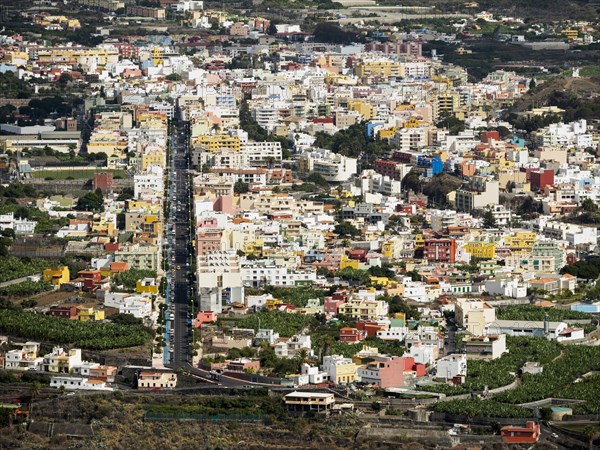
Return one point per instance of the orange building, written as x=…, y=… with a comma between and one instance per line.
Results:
x=529, y=434
x=440, y=250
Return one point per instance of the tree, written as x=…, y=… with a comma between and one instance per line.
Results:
x=503, y=132
x=412, y=181
x=489, y=221
x=65, y=78
x=346, y=229
x=240, y=187
x=588, y=205
x=36, y=388
x=317, y=179
x=272, y=30
x=126, y=194
x=330, y=32
x=356, y=276
x=92, y=201
x=173, y=77
x=592, y=434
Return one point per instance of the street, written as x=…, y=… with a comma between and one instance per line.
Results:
x=179, y=348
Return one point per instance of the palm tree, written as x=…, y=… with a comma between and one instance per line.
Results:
x=36, y=388
x=592, y=433
x=303, y=355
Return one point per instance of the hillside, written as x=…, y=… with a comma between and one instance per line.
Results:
x=541, y=95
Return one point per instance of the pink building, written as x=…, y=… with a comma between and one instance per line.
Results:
x=224, y=204
x=331, y=304
x=384, y=371
x=208, y=241
x=244, y=365
x=205, y=317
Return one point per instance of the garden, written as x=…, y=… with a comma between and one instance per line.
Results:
x=12, y=267
x=25, y=289
x=569, y=372
x=502, y=371
x=86, y=335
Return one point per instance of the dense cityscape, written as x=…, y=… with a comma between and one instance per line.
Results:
x=282, y=224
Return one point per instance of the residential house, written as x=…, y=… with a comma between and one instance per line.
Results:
x=451, y=366
x=352, y=335
x=484, y=347
x=73, y=383
x=340, y=370
x=157, y=379
x=304, y=402
x=25, y=359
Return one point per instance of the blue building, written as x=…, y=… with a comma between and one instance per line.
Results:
x=433, y=164
x=370, y=130
x=519, y=142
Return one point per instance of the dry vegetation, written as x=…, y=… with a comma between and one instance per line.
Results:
x=119, y=422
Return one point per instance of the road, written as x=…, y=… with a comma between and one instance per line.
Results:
x=179, y=258
x=179, y=261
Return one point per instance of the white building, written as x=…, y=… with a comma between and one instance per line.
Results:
x=218, y=273
x=506, y=287
x=150, y=184
x=260, y=274
x=25, y=359
x=78, y=383
x=332, y=166
x=485, y=347
x=315, y=376
x=532, y=328
x=266, y=335
x=393, y=334
x=423, y=353
x=451, y=366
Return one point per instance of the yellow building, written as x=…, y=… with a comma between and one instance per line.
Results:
x=387, y=249
x=73, y=24
x=16, y=57
x=386, y=133
x=363, y=309
x=382, y=281
x=89, y=314
x=103, y=142
x=137, y=205
x=378, y=68
x=366, y=110
x=152, y=225
x=340, y=370
x=337, y=79
x=447, y=102
x=419, y=240
x=218, y=142
x=271, y=304
x=520, y=241
x=254, y=247
x=104, y=227
x=570, y=34
x=481, y=249
x=57, y=276
x=147, y=285
x=346, y=262
x=97, y=57
x=153, y=158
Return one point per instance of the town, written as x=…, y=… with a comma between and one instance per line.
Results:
x=346, y=224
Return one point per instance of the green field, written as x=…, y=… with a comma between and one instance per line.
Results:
x=76, y=174
x=590, y=71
